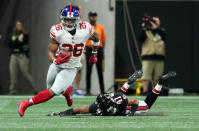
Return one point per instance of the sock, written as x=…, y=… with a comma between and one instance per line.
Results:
x=151, y=98
x=42, y=96
x=157, y=89
x=125, y=87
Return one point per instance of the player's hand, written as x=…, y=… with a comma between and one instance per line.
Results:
x=60, y=60
x=93, y=58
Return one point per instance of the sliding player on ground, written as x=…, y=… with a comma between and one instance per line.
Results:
x=117, y=104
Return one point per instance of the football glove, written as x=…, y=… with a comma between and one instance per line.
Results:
x=61, y=59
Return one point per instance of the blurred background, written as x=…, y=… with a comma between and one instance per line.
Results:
x=122, y=55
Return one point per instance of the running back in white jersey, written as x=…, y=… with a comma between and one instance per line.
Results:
x=74, y=43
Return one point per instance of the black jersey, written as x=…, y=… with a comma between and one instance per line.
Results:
x=109, y=104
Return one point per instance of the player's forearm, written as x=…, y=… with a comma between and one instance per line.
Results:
x=52, y=49
x=51, y=55
x=81, y=110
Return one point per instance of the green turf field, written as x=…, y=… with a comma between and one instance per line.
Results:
x=168, y=113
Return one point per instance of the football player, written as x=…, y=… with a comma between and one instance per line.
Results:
x=69, y=35
x=117, y=104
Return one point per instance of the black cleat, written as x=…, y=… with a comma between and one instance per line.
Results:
x=163, y=79
x=137, y=74
x=54, y=114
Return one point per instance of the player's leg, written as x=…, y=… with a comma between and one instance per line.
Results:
x=139, y=107
x=42, y=96
x=63, y=79
x=137, y=74
x=51, y=75
x=151, y=97
x=13, y=73
x=63, y=82
x=145, y=105
x=162, y=80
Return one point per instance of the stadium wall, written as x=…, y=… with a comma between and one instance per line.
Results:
x=180, y=19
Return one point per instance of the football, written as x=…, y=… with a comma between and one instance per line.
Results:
x=64, y=53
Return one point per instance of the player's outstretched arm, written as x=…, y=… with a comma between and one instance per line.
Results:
x=73, y=111
x=81, y=110
x=52, y=49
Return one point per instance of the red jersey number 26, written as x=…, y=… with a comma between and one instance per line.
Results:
x=77, y=48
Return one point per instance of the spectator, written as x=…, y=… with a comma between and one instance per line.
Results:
x=19, y=50
x=153, y=51
x=92, y=16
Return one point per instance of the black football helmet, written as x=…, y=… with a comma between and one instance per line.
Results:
x=107, y=104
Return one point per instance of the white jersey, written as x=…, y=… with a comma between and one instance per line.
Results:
x=73, y=43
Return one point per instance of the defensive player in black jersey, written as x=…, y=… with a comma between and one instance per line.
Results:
x=117, y=104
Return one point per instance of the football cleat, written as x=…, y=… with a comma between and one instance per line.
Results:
x=68, y=95
x=22, y=107
x=137, y=74
x=163, y=79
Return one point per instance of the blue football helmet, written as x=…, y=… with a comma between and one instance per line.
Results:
x=71, y=14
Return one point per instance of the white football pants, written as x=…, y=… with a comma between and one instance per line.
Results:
x=59, y=79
